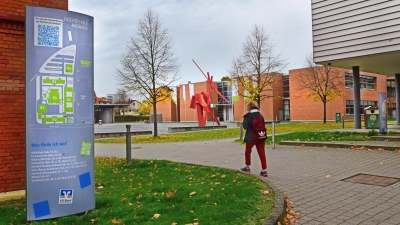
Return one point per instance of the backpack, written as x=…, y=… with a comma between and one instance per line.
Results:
x=258, y=128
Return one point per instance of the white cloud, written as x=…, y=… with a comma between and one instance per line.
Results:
x=210, y=32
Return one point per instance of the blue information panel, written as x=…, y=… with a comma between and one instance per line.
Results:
x=59, y=113
x=382, y=113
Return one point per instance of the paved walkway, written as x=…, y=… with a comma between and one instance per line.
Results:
x=310, y=176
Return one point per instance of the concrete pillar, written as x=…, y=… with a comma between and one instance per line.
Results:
x=357, y=99
x=397, y=85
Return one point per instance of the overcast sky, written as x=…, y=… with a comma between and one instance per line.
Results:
x=209, y=31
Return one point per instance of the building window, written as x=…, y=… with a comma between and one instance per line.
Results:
x=286, y=109
x=363, y=105
x=226, y=90
x=285, y=80
x=348, y=80
x=366, y=82
x=391, y=88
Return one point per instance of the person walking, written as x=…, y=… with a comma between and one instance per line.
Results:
x=254, y=137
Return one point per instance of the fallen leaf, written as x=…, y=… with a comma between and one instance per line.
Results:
x=173, y=223
x=138, y=205
x=155, y=216
x=382, y=163
x=328, y=176
x=223, y=176
x=139, y=196
x=130, y=204
x=123, y=199
x=192, y=193
x=136, y=217
x=302, y=145
x=266, y=192
x=155, y=194
x=115, y=221
x=170, y=194
x=324, y=146
x=100, y=187
x=94, y=220
x=208, y=195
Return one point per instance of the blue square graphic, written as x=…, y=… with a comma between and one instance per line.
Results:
x=84, y=180
x=41, y=209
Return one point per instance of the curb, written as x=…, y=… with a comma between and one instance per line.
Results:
x=336, y=145
x=279, y=210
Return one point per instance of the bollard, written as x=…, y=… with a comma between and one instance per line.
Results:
x=128, y=145
x=273, y=135
x=241, y=132
x=342, y=122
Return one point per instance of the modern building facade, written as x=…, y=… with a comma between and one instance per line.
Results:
x=358, y=35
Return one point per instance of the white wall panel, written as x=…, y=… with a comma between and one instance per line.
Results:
x=352, y=28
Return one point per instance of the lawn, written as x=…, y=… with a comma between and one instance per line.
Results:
x=225, y=133
x=163, y=192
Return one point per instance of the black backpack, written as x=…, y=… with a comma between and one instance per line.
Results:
x=258, y=128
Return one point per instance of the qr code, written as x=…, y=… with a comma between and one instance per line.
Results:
x=48, y=35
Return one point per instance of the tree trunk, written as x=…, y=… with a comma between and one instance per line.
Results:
x=324, y=111
x=155, y=118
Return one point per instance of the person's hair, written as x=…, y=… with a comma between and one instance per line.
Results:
x=252, y=105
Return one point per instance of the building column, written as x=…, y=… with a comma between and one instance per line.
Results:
x=357, y=99
x=397, y=86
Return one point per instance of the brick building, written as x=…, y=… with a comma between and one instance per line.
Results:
x=288, y=102
x=371, y=84
x=12, y=90
x=272, y=108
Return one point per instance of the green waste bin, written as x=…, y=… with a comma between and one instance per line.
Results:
x=338, y=118
x=371, y=117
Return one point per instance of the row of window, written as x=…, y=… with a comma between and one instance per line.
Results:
x=366, y=82
x=363, y=105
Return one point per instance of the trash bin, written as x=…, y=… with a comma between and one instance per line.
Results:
x=100, y=122
x=371, y=117
x=338, y=118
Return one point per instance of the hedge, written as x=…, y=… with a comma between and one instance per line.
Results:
x=129, y=118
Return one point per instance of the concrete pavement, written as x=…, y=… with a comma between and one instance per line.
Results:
x=310, y=176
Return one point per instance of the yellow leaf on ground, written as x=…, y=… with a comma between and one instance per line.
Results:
x=155, y=216
x=192, y=193
x=223, y=176
x=266, y=192
x=328, y=176
x=382, y=163
x=94, y=220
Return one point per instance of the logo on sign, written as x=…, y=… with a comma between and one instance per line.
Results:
x=66, y=196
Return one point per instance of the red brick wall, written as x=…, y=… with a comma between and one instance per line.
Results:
x=12, y=90
x=187, y=114
x=302, y=108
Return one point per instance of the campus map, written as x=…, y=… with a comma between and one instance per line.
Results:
x=55, y=88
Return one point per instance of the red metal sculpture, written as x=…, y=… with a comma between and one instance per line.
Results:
x=197, y=102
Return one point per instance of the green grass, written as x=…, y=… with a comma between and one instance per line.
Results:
x=224, y=133
x=179, y=193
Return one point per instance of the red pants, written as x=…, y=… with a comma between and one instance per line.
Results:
x=260, y=145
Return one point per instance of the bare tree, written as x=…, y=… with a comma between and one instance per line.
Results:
x=256, y=68
x=149, y=64
x=122, y=95
x=320, y=83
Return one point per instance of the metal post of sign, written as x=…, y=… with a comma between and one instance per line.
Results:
x=241, y=131
x=273, y=135
x=128, y=145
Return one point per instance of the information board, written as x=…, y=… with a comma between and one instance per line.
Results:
x=59, y=113
x=382, y=113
